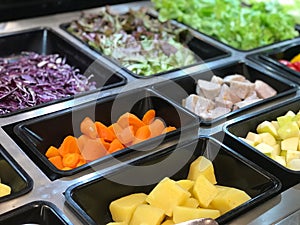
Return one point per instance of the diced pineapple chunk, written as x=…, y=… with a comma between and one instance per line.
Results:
x=204, y=191
x=166, y=195
x=182, y=214
x=147, y=215
x=123, y=208
x=202, y=166
x=117, y=223
x=228, y=198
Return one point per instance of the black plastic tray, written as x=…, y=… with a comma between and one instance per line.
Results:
x=247, y=123
x=37, y=135
x=44, y=40
x=230, y=168
x=204, y=51
x=179, y=88
x=14, y=176
x=37, y=212
x=270, y=58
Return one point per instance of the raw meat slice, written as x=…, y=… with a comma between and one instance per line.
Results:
x=264, y=90
x=208, y=89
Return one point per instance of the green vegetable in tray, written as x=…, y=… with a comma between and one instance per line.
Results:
x=139, y=42
x=240, y=25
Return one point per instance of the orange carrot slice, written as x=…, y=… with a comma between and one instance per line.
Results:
x=56, y=161
x=129, y=119
x=93, y=149
x=71, y=160
x=143, y=133
x=149, y=116
x=105, y=144
x=88, y=128
x=156, y=127
x=104, y=132
x=52, y=151
x=168, y=129
x=115, y=145
x=69, y=145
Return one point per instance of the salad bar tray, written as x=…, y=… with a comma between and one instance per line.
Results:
x=67, y=158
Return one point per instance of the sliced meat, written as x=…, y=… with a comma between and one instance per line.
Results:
x=242, y=89
x=220, y=102
x=252, y=95
x=215, y=113
x=264, y=90
x=234, y=77
x=227, y=94
x=217, y=80
x=190, y=102
x=244, y=103
x=203, y=105
x=208, y=89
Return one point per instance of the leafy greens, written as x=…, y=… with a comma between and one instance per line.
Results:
x=140, y=43
x=242, y=26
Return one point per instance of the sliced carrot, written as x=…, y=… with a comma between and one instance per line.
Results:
x=88, y=128
x=52, y=151
x=149, y=116
x=81, y=162
x=105, y=144
x=71, y=160
x=143, y=132
x=104, y=132
x=93, y=149
x=115, y=145
x=69, y=145
x=156, y=127
x=56, y=161
x=81, y=141
x=129, y=119
x=168, y=129
x=126, y=136
x=67, y=168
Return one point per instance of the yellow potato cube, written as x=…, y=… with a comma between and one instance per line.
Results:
x=228, y=198
x=204, y=191
x=123, y=208
x=182, y=214
x=191, y=202
x=186, y=184
x=168, y=222
x=202, y=166
x=166, y=195
x=147, y=215
x=117, y=223
x=4, y=190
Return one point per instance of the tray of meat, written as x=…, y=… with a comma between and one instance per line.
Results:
x=222, y=93
x=46, y=70
x=140, y=44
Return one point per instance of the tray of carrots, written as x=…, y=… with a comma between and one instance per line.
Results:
x=93, y=134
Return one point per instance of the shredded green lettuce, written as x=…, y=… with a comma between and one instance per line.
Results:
x=235, y=23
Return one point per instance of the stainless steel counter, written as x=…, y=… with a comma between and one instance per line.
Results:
x=44, y=189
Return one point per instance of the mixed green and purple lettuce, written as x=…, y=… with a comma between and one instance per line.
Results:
x=140, y=43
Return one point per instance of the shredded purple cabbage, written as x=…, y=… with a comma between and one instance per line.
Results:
x=32, y=79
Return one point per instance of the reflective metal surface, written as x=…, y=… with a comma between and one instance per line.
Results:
x=270, y=212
